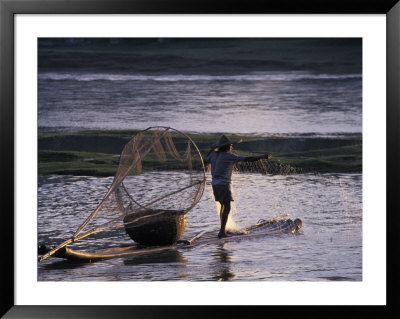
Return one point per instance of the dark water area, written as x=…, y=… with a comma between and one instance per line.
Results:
x=200, y=55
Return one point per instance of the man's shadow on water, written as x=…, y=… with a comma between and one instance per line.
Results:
x=223, y=261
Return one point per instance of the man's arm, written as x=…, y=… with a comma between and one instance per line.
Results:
x=256, y=158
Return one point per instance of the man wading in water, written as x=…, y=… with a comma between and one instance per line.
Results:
x=222, y=161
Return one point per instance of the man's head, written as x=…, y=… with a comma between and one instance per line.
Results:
x=225, y=144
x=225, y=148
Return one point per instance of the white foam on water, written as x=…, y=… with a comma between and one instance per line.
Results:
x=254, y=76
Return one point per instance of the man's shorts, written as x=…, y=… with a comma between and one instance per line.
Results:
x=223, y=193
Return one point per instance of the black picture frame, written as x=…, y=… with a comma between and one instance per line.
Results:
x=8, y=10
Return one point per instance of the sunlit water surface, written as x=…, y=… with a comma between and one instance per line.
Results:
x=284, y=102
x=327, y=248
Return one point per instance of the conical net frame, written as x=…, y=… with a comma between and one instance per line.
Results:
x=153, y=151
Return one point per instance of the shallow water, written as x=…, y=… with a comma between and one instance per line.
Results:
x=327, y=248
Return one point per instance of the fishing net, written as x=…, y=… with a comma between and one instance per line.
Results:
x=155, y=198
x=264, y=166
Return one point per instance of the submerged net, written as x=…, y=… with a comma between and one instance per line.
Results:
x=155, y=196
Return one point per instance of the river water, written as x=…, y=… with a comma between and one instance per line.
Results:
x=286, y=103
x=327, y=248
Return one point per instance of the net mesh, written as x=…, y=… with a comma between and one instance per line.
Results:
x=150, y=152
x=264, y=166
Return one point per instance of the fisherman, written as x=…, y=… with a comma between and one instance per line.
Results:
x=222, y=160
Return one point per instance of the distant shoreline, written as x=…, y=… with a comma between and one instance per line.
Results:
x=96, y=153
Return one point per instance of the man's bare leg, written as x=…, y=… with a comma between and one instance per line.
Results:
x=225, y=210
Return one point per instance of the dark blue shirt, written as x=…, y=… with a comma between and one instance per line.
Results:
x=222, y=166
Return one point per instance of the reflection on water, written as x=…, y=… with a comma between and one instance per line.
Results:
x=63, y=264
x=169, y=257
x=328, y=247
x=223, y=260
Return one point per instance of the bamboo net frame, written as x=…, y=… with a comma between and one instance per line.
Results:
x=161, y=148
